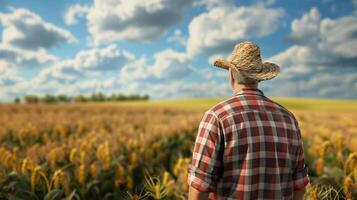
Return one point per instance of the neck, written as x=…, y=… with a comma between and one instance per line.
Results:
x=238, y=87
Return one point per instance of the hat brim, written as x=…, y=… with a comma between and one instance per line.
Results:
x=224, y=64
x=269, y=70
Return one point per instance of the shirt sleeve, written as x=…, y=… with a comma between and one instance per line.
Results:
x=205, y=168
x=300, y=175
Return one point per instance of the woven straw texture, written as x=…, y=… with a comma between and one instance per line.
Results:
x=246, y=59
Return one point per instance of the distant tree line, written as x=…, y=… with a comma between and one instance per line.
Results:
x=94, y=97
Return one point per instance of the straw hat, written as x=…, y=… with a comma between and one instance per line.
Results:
x=246, y=59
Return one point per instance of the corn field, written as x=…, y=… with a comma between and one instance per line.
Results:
x=103, y=151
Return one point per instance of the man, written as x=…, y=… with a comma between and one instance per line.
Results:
x=248, y=147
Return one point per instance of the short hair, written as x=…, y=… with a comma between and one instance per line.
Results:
x=241, y=79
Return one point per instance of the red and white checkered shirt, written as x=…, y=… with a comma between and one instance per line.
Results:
x=248, y=147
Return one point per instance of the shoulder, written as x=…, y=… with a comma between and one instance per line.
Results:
x=221, y=109
x=283, y=109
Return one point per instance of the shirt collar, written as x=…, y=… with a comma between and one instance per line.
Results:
x=249, y=91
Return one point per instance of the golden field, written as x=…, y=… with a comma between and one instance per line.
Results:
x=141, y=150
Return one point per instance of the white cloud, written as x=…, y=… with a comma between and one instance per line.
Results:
x=61, y=72
x=9, y=75
x=137, y=75
x=296, y=71
x=214, y=3
x=168, y=64
x=20, y=57
x=316, y=41
x=85, y=63
x=336, y=39
x=265, y=2
x=77, y=75
x=229, y=25
x=140, y=20
x=332, y=85
x=339, y=36
x=25, y=29
x=322, y=60
x=184, y=89
x=136, y=70
x=306, y=29
x=108, y=58
x=89, y=86
x=167, y=77
x=12, y=84
x=178, y=38
x=26, y=38
x=74, y=12
x=286, y=58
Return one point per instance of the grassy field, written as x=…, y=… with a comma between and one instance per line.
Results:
x=335, y=105
x=116, y=150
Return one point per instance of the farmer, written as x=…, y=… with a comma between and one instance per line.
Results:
x=248, y=146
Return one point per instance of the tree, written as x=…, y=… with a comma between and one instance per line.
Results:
x=94, y=97
x=145, y=97
x=121, y=97
x=63, y=98
x=97, y=97
x=48, y=99
x=80, y=98
x=17, y=100
x=31, y=98
x=112, y=97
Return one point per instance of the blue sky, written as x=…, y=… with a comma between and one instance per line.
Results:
x=166, y=48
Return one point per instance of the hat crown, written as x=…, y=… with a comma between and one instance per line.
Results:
x=246, y=54
x=246, y=59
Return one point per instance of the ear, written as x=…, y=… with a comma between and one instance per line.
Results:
x=231, y=75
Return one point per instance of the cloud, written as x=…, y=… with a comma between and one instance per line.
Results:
x=168, y=75
x=25, y=29
x=168, y=65
x=214, y=3
x=326, y=42
x=172, y=89
x=61, y=72
x=141, y=20
x=21, y=57
x=229, y=25
x=96, y=85
x=322, y=59
x=354, y=2
x=184, y=89
x=74, y=12
x=109, y=58
x=178, y=38
x=324, y=82
x=9, y=75
x=165, y=77
x=85, y=87
x=12, y=84
x=331, y=84
x=72, y=76
x=86, y=63
x=265, y=2
x=306, y=29
x=137, y=70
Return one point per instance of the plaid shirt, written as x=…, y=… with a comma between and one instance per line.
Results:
x=248, y=147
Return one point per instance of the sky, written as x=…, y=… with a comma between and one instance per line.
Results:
x=166, y=48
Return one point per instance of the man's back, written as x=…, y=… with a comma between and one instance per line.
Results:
x=248, y=147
